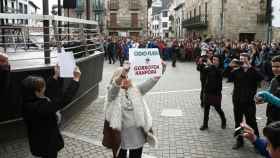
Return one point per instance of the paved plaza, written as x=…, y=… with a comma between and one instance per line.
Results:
x=177, y=116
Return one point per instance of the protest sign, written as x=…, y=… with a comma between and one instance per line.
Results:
x=66, y=63
x=145, y=62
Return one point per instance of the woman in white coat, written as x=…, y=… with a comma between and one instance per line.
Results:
x=128, y=122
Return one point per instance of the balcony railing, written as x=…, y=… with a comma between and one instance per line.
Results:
x=114, y=4
x=261, y=19
x=125, y=23
x=200, y=21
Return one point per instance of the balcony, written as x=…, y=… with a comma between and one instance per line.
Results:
x=114, y=5
x=200, y=21
x=125, y=24
x=261, y=19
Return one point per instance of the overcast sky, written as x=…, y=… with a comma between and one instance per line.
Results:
x=40, y=5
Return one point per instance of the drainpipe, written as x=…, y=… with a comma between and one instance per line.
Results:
x=222, y=19
x=269, y=22
x=46, y=26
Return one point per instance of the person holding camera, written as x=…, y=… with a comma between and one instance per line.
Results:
x=245, y=79
x=269, y=147
x=128, y=122
x=206, y=55
x=39, y=111
x=213, y=90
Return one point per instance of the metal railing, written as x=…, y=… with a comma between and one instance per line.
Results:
x=196, y=21
x=26, y=45
x=125, y=23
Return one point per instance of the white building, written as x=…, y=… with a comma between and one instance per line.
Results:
x=160, y=21
x=20, y=7
x=177, y=11
x=178, y=18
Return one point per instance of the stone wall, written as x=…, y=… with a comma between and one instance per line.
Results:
x=125, y=12
x=276, y=34
x=239, y=17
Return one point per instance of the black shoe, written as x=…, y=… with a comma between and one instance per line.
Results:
x=203, y=127
x=237, y=145
x=224, y=125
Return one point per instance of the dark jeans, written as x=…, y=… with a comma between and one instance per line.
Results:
x=249, y=111
x=217, y=108
x=135, y=153
x=111, y=58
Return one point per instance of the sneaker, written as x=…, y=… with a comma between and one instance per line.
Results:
x=202, y=128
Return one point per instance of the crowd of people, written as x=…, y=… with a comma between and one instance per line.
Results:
x=128, y=122
x=117, y=48
x=246, y=65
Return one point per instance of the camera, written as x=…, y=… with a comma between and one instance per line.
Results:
x=237, y=62
x=238, y=131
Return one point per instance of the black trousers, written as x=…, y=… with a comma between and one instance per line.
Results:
x=217, y=107
x=135, y=153
x=249, y=111
x=51, y=155
x=111, y=58
x=121, y=60
x=202, y=93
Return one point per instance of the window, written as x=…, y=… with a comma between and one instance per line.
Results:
x=25, y=9
x=113, y=19
x=134, y=5
x=20, y=8
x=134, y=20
x=165, y=14
x=114, y=4
x=199, y=11
x=194, y=12
x=164, y=24
x=13, y=7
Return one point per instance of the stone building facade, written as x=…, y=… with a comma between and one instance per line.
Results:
x=233, y=19
x=126, y=17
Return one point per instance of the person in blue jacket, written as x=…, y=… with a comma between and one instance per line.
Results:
x=269, y=147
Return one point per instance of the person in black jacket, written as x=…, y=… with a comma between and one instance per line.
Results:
x=273, y=112
x=202, y=61
x=4, y=78
x=39, y=112
x=245, y=79
x=213, y=90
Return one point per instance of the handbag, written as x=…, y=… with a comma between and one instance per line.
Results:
x=111, y=137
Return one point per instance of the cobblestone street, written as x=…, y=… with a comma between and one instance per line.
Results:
x=179, y=136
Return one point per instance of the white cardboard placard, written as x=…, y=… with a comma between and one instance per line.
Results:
x=145, y=62
x=66, y=63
